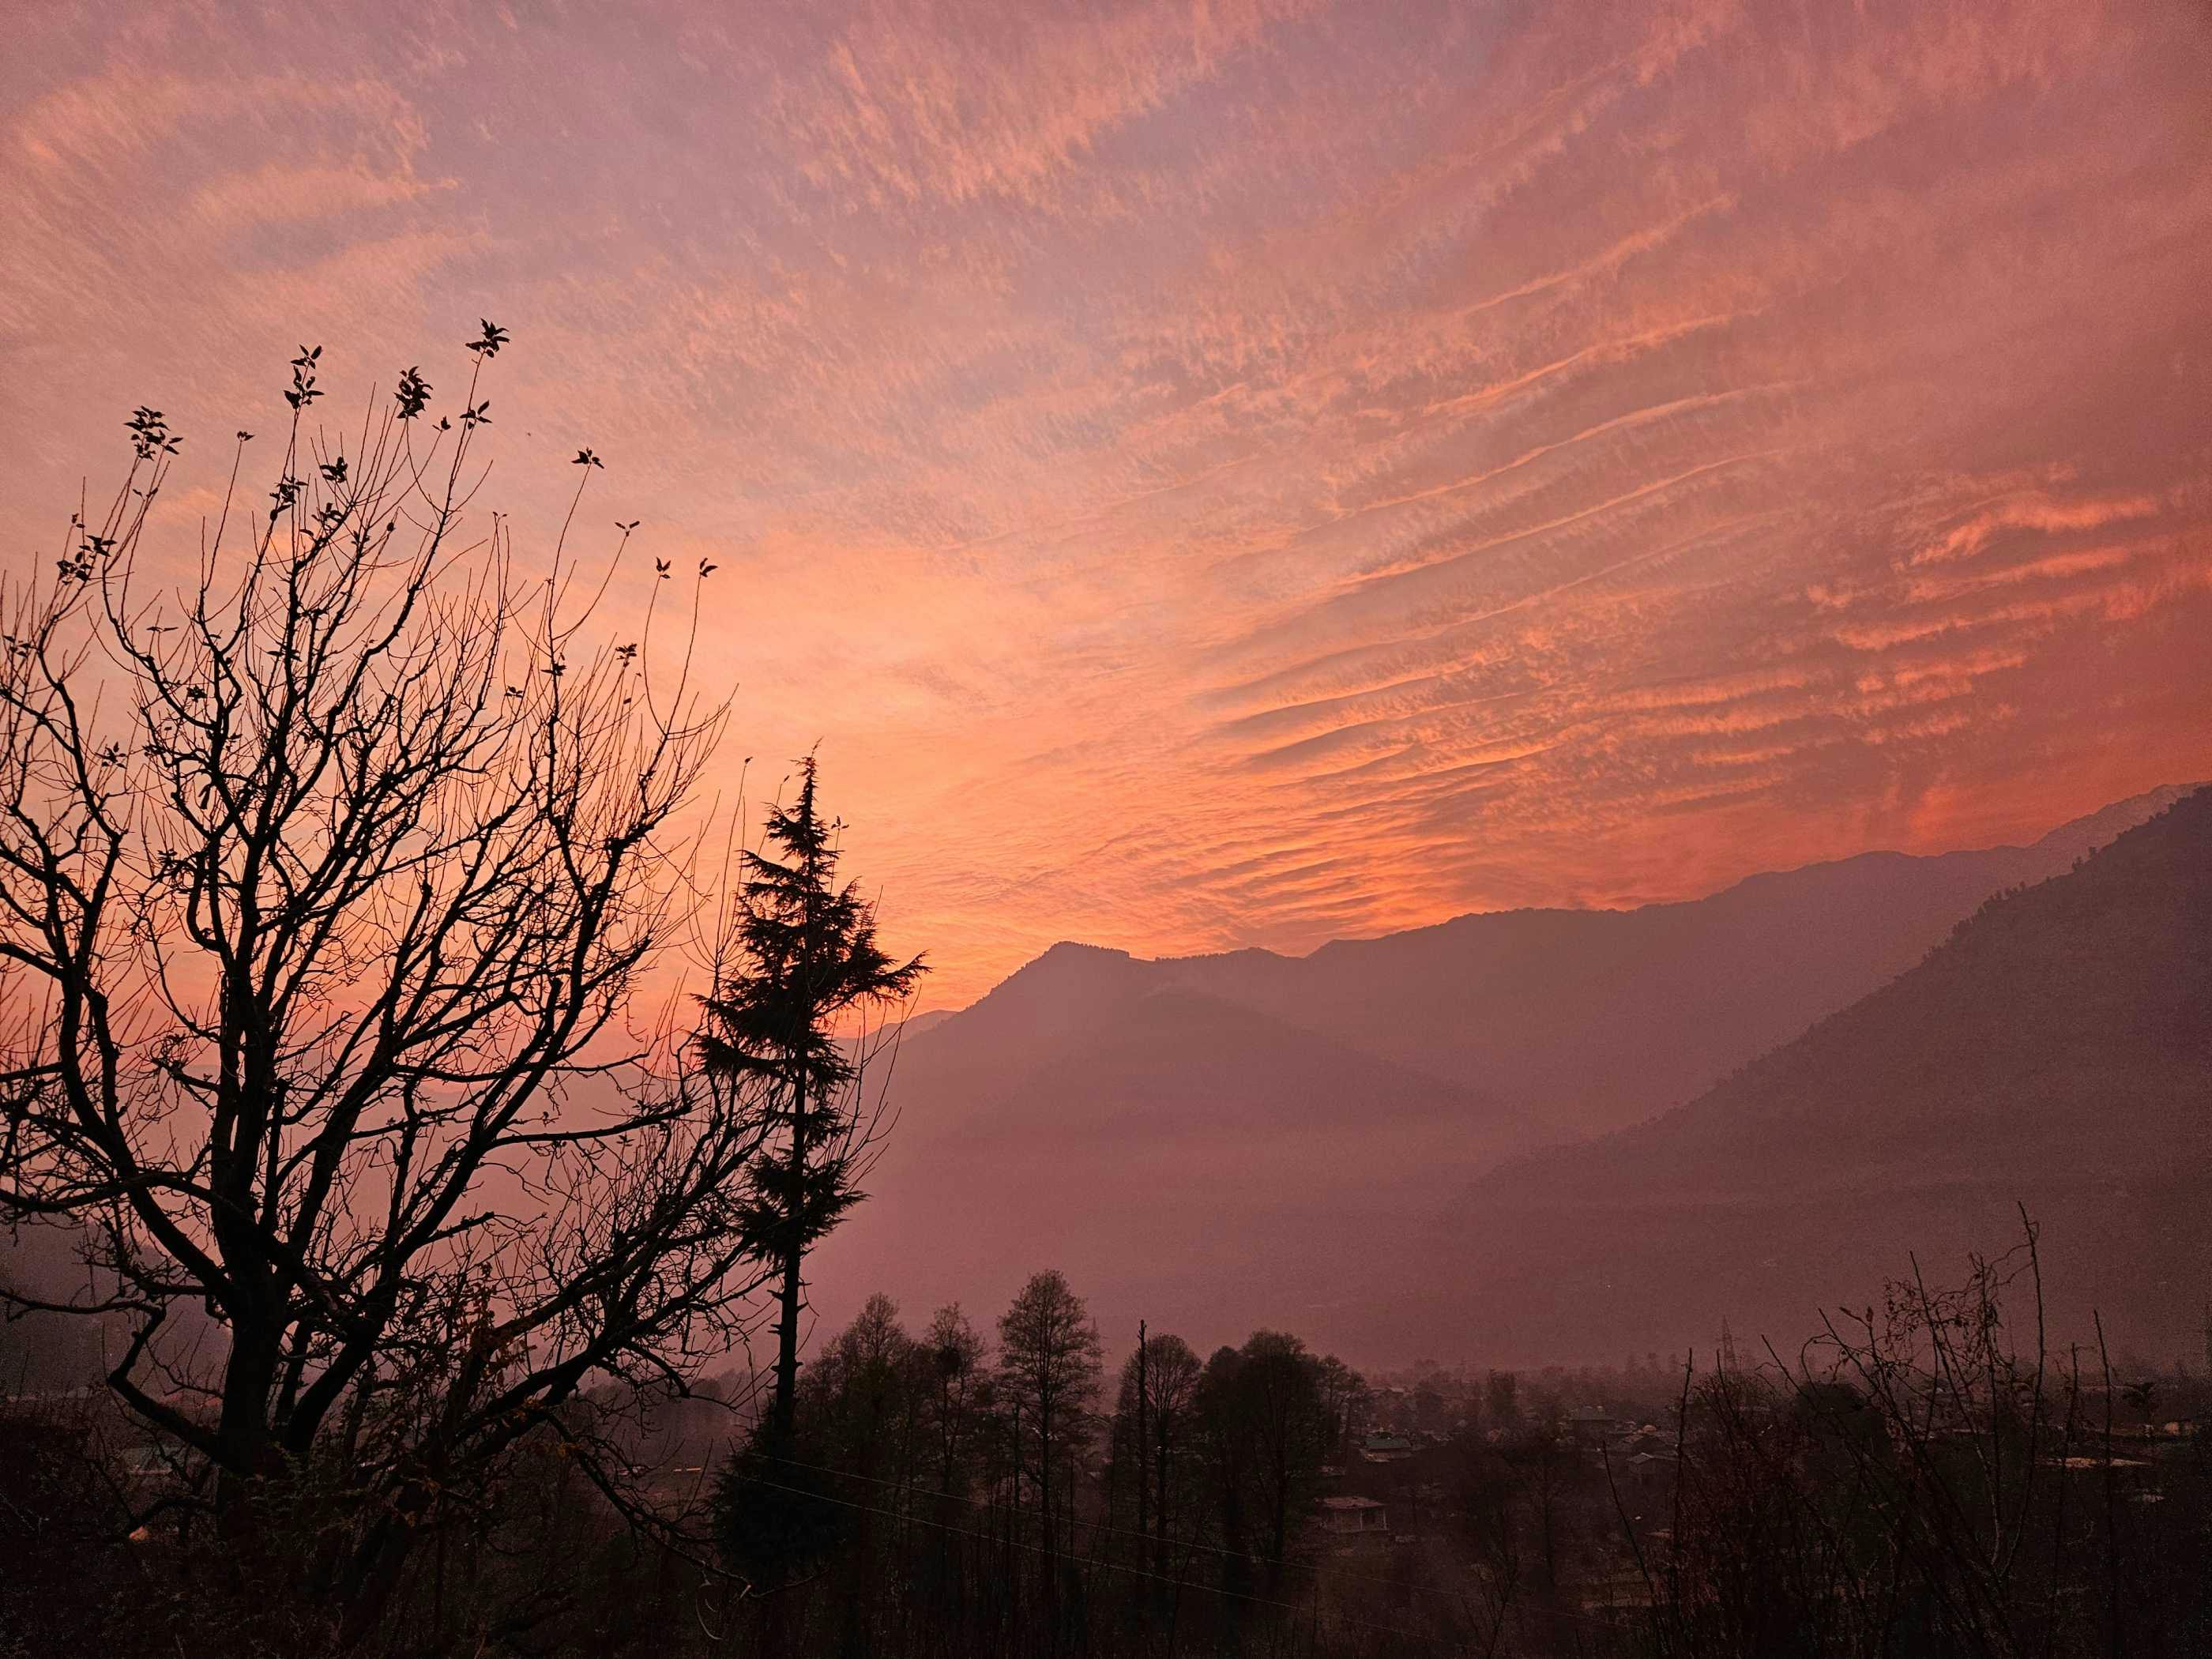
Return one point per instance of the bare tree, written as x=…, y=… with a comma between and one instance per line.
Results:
x=1267, y=1427
x=1930, y=1476
x=326, y=885
x=956, y=1364
x=1153, y=1427
x=1048, y=1355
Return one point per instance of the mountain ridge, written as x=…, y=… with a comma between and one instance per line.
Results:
x=1581, y=1020
x=2054, y=1053
x=1299, y=1170
x=2077, y=833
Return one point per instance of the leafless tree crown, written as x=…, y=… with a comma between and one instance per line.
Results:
x=331, y=870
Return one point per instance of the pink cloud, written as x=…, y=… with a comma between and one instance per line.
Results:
x=1241, y=473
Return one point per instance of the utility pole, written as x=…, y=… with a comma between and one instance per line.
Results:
x=1143, y=1442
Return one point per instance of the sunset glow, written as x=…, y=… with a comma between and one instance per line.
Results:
x=1226, y=474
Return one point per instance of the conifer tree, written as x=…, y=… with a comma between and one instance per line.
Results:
x=807, y=958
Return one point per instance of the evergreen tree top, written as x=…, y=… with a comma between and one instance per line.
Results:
x=808, y=953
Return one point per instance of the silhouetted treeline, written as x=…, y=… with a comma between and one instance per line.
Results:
x=945, y=1495
x=1927, y=1479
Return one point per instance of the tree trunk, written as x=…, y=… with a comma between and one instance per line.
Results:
x=778, y=1629
x=1044, y=1488
x=783, y=1420
x=249, y=1449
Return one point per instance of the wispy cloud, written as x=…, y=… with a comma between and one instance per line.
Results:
x=1242, y=472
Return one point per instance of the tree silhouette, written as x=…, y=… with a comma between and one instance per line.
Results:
x=325, y=884
x=1152, y=1430
x=1048, y=1355
x=807, y=956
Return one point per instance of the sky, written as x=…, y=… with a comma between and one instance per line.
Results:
x=1214, y=473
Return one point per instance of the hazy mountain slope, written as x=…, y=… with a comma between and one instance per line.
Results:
x=1241, y=1140
x=1589, y=1020
x=2056, y=1051
x=1180, y=1158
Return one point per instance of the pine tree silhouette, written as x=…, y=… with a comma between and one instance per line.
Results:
x=808, y=955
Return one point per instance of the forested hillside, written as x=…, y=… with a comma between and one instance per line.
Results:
x=2057, y=1051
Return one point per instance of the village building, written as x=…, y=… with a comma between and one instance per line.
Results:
x=1382, y=1446
x=1354, y=1517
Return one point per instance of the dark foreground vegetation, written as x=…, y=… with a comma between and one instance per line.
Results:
x=1919, y=1483
x=425, y=1127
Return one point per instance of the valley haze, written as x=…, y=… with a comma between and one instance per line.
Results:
x=1352, y=1143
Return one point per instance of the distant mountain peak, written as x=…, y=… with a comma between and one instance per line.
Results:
x=1069, y=950
x=1249, y=1116
x=2066, y=840
x=1589, y=1019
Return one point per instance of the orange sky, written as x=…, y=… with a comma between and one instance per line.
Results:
x=1238, y=473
